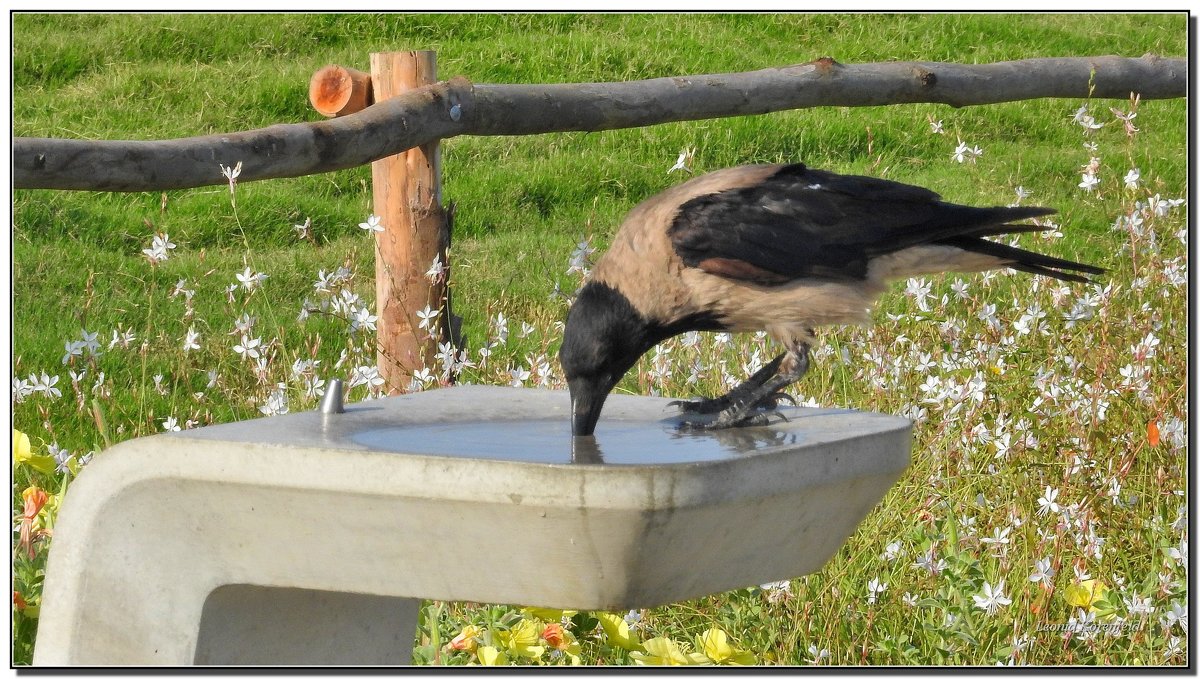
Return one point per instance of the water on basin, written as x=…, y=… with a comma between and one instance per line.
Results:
x=550, y=440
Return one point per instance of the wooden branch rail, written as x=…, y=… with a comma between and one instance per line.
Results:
x=457, y=107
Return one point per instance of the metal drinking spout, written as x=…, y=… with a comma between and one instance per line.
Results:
x=331, y=402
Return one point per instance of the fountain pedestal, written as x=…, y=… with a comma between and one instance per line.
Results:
x=311, y=538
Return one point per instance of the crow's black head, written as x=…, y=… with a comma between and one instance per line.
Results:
x=604, y=337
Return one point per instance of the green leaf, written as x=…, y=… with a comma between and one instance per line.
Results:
x=584, y=623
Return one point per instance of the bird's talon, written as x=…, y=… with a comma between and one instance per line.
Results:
x=771, y=401
x=754, y=420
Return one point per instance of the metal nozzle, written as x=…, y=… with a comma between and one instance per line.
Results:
x=331, y=402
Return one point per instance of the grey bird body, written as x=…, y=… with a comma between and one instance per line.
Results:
x=778, y=248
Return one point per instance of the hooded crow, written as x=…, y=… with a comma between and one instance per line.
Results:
x=780, y=248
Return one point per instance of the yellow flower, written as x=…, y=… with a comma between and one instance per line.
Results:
x=1085, y=594
x=467, y=639
x=23, y=454
x=1091, y=595
x=522, y=640
x=488, y=655
x=663, y=651
x=20, y=446
x=715, y=644
x=617, y=632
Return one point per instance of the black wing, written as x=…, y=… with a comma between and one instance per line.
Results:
x=808, y=223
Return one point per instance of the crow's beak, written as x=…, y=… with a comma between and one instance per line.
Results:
x=587, y=398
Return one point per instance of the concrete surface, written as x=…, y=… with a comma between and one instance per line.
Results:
x=226, y=544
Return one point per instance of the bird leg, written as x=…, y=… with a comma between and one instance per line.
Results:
x=741, y=409
x=741, y=392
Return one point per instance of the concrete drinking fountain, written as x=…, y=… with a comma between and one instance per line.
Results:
x=311, y=538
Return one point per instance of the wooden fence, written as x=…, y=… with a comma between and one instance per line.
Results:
x=395, y=116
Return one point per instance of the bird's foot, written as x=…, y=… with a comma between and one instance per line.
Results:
x=729, y=419
x=735, y=412
x=708, y=406
x=754, y=402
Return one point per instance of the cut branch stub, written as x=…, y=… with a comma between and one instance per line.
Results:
x=338, y=91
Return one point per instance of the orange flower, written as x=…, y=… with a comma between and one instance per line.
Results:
x=555, y=636
x=1152, y=433
x=19, y=601
x=35, y=498
x=559, y=639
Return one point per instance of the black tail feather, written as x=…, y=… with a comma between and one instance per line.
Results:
x=960, y=222
x=1003, y=229
x=1021, y=212
x=995, y=221
x=1029, y=262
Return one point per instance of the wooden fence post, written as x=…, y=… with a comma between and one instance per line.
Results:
x=407, y=199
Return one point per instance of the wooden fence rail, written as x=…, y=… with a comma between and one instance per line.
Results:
x=399, y=134
x=458, y=107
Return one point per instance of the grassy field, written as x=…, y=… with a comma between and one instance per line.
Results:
x=1049, y=470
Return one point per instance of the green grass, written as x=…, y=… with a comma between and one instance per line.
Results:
x=524, y=203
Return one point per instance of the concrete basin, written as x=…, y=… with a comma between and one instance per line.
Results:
x=311, y=538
